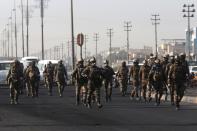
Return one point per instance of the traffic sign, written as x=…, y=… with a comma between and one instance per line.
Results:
x=80, y=39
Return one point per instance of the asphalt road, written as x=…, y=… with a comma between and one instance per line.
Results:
x=52, y=113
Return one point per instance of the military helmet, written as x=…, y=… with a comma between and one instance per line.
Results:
x=93, y=60
x=157, y=61
x=182, y=54
x=135, y=61
x=145, y=62
x=80, y=60
x=177, y=58
x=49, y=62
x=106, y=62
x=166, y=56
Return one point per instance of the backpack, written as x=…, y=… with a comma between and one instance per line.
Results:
x=32, y=73
x=157, y=75
x=81, y=78
x=95, y=75
x=177, y=73
x=14, y=74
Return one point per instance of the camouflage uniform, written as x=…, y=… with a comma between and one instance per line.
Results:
x=186, y=73
x=33, y=76
x=156, y=76
x=177, y=76
x=170, y=83
x=164, y=64
x=60, y=77
x=143, y=75
x=80, y=82
x=48, y=74
x=14, y=76
x=26, y=81
x=94, y=75
x=122, y=75
x=108, y=73
x=134, y=73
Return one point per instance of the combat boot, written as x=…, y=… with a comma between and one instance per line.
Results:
x=99, y=105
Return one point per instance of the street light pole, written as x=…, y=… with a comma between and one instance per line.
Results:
x=23, y=49
x=155, y=20
x=72, y=35
x=189, y=15
x=42, y=26
x=96, y=37
x=15, y=31
x=27, y=22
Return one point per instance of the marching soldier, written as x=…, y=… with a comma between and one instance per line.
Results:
x=48, y=74
x=143, y=76
x=94, y=75
x=185, y=65
x=13, y=78
x=80, y=81
x=134, y=73
x=164, y=64
x=156, y=76
x=170, y=83
x=33, y=75
x=122, y=75
x=26, y=80
x=177, y=76
x=108, y=79
x=60, y=73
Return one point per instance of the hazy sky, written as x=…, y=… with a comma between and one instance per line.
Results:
x=96, y=16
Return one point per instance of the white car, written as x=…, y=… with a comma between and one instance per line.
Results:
x=193, y=69
x=4, y=69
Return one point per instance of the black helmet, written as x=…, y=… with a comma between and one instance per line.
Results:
x=135, y=61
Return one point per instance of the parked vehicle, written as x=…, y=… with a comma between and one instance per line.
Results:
x=4, y=68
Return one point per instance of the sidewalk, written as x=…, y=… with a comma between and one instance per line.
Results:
x=190, y=95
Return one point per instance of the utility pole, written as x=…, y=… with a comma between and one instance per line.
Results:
x=15, y=31
x=72, y=36
x=85, y=46
x=188, y=15
x=110, y=33
x=96, y=38
x=8, y=40
x=11, y=37
x=23, y=41
x=155, y=22
x=68, y=48
x=42, y=25
x=27, y=23
x=127, y=29
x=62, y=50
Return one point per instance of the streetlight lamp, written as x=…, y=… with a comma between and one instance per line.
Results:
x=187, y=9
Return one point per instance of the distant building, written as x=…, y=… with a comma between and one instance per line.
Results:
x=176, y=46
